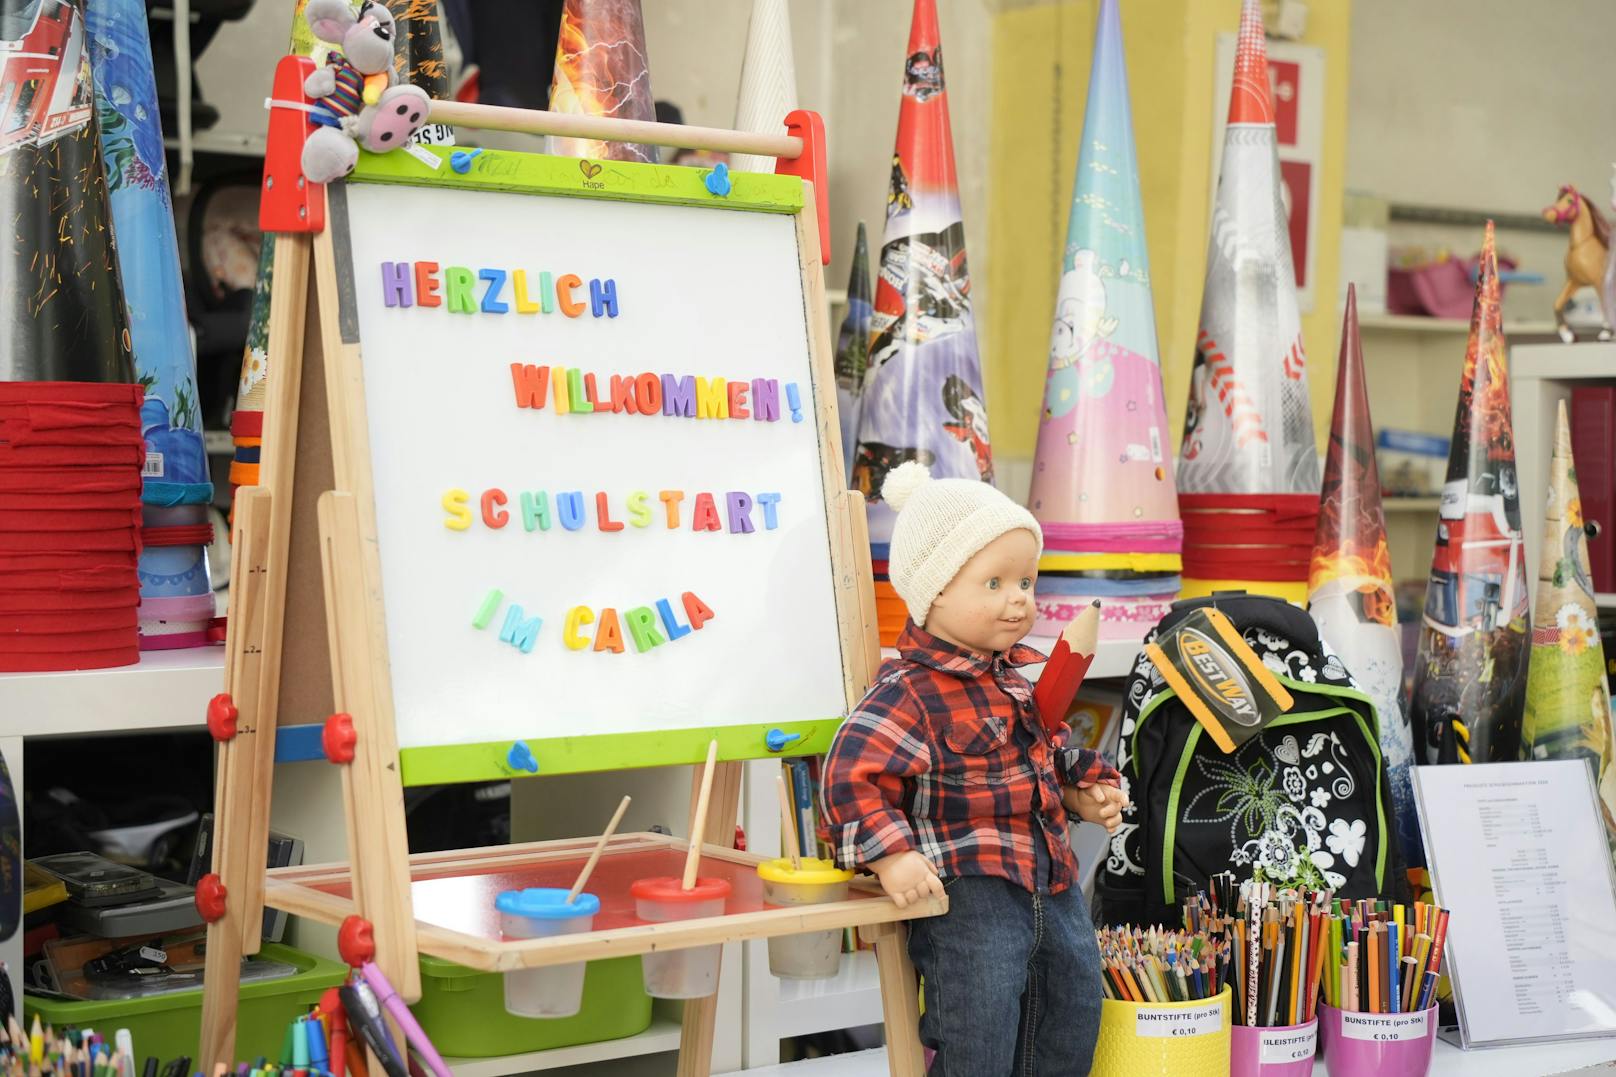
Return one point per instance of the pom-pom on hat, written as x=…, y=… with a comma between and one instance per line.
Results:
x=941, y=524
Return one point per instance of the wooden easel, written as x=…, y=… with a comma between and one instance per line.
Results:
x=315, y=506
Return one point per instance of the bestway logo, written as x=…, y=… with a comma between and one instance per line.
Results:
x=1218, y=677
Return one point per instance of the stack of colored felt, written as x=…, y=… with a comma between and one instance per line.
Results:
x=1281, y=940
x=70, y=462
x=1385, y=958
x=1157, y=965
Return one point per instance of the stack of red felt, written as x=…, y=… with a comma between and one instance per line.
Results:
x=70, y=461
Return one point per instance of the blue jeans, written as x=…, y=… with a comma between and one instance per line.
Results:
x=1012, y=981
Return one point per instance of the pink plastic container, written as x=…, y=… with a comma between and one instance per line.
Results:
x=1273, y=1052
x=1377, y=1044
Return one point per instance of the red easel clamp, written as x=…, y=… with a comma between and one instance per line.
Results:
x=210, y=898
x=810, y=165
x=222, y=715
x=338, y=738
x=356, y=941
x=287, y=202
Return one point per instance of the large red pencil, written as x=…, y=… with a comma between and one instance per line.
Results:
x=1068, y=664
x=1438, y=938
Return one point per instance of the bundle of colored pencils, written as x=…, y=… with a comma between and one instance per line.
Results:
x=76, y=1054
x=1385, y=958
x=1161, y=965
x=1279, y=940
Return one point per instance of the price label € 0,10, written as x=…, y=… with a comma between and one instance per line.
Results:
x=1289, y=1045
x=1162, y=1021
x=1386, y=1027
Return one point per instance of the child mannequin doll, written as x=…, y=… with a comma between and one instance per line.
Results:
x=946, y=779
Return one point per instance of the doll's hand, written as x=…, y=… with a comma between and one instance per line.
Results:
x=907, y=877
x=1101, y=804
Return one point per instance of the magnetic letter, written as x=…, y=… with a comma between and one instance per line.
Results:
x=704, y=517
x=639, y=511
x=577, y=617
x=494, y=515
x=570, y=509
x=536, y=510
x=642, y=626
x=426, y=285
x=531, y=383
x=609, y=636
x=519, y=633
x=737, y=400
x=564, y=285
x=679, y=396
x=524, y=305
x=603, y=514
x=575, y=392
x=457, y=285
x=765, y=400
x=649, y=388
x=769, y=501
x=710, y=400
x=558, y=389
x=670, y=620
x=671, y=499
x=696, y=610
x=546, y=292
x=454, y=503
x=740, y=512
x=603, y=297
x=485, y=612
x=396, y=284
x=492, y=304
x=623, y=394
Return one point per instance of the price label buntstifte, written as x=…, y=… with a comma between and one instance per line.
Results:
x=1289, y=1045
x=1177, y=1021
x=1386, y=1027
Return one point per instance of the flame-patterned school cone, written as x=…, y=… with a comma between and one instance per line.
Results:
x=1102, y=484
x=1470, y=673
x=62, y=312
x=1567, y=696
x=1349, y=588
x=1248, y=472
x=601, y=70
x=768, y=79
x=923, y=389
x=853, y=349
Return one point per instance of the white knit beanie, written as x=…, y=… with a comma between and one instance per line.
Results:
x=942, y=523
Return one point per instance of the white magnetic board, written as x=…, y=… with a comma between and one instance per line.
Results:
x=702, y=292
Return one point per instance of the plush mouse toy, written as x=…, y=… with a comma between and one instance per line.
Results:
x=357, y=98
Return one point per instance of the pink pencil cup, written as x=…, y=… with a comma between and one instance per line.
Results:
x=1281, y=1051
x=1377, y=1044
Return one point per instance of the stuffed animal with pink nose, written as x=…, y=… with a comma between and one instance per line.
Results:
x=357, y=98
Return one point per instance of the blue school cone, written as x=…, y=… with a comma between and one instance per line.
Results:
x=1102, y=484
x=853, y=349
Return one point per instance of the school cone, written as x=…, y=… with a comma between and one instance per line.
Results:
x=853, y=348
x=768, y=79
x=601, y=70
x=1248, y=465
x=923, y=388
x=62, y=313
x=1102, y=482
x=1349, y=586
x=1470, y=673
x=1567, y=698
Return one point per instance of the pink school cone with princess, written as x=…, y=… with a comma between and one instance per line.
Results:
x=1102, y=484
x=1248, y=465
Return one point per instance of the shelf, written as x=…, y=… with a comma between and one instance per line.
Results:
x=850, y=998
x=164, y=690
x=1414, y=323
x=663, y=1035
x=1605, y=600
x=1411, y=504
x=239, y=145
x=1537, y=1060
x=1586, y=360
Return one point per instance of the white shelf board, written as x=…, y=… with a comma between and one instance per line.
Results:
x=663, y=1035
x=1411, y=504
x=1413, y=323
x=1589, y=360
x=1115, y=657
x=850, y=998
x=1537, y=1060
x=1605, y=600
x=164, y=690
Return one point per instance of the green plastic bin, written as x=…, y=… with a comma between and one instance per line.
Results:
x=171, y=1025
x=463, y=1010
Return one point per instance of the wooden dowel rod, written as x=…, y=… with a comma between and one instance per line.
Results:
x=788, y=818
x=698, y=824
x=600, y=847
x=535, y=121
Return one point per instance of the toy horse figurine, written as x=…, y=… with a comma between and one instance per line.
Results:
x=1585, y=257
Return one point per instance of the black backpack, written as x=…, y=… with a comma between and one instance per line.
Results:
x=1312, y=779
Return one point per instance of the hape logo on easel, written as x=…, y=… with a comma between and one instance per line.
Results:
x=569, y=394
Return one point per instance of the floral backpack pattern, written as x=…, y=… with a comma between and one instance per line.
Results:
x=1304, y=801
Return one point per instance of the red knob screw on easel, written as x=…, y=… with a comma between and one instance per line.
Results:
x=222, y=715
x=210, y=898
x=338, y=738
x=356, y=941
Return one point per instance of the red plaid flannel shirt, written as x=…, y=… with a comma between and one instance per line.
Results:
x=946, y=755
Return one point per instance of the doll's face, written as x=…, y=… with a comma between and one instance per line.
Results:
x=987, y=607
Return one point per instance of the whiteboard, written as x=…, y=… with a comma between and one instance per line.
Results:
x=709, y=292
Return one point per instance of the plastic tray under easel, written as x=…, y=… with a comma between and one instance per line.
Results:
x=453, y=896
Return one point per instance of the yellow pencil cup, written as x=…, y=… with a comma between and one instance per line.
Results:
x=1174, y=1039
